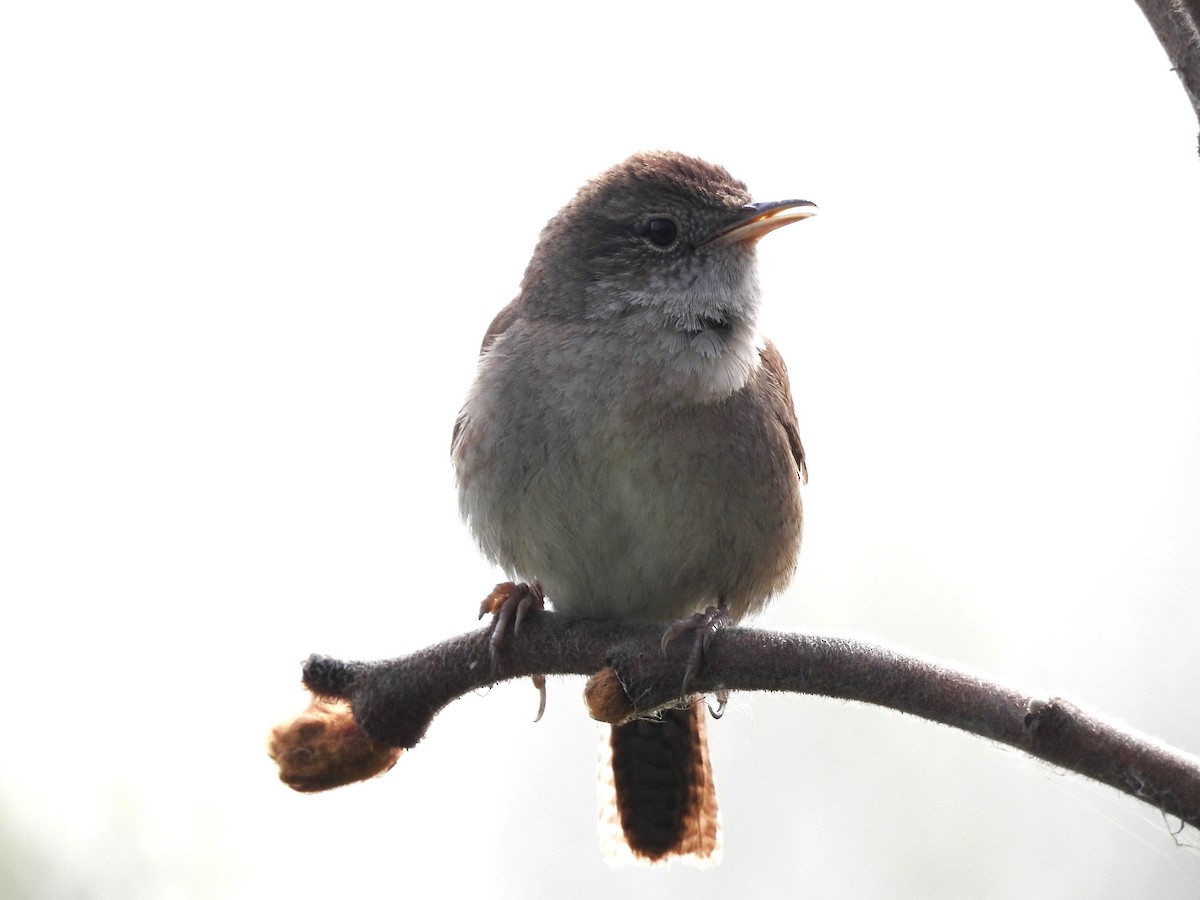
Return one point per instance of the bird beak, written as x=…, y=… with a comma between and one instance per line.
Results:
x=762, y=218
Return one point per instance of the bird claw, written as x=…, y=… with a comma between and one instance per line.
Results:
x=539, y=682
x=705, y=625
x=722, y=696
x=509, y=603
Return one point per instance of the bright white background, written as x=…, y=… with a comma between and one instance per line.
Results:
x=247, y=252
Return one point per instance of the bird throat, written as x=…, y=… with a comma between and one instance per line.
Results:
x=718, y=326
x=711, y=357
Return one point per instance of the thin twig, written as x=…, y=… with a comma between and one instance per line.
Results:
x=395, y=701
x=1177, y=25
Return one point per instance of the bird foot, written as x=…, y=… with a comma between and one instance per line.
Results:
x=705, y=625
x=508, y=604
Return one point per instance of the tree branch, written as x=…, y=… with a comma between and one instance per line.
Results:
x=1177, y=25
x=394, y=702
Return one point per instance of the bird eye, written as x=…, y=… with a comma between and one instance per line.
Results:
x=658, y=231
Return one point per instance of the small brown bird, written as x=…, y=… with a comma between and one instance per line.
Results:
x=630, y=442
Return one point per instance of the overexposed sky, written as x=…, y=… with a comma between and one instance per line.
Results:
x=248, y=253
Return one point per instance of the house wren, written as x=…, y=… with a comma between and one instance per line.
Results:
x=630, y=442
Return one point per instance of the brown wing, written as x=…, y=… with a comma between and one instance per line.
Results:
x=777, y=373
x=499, y=325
